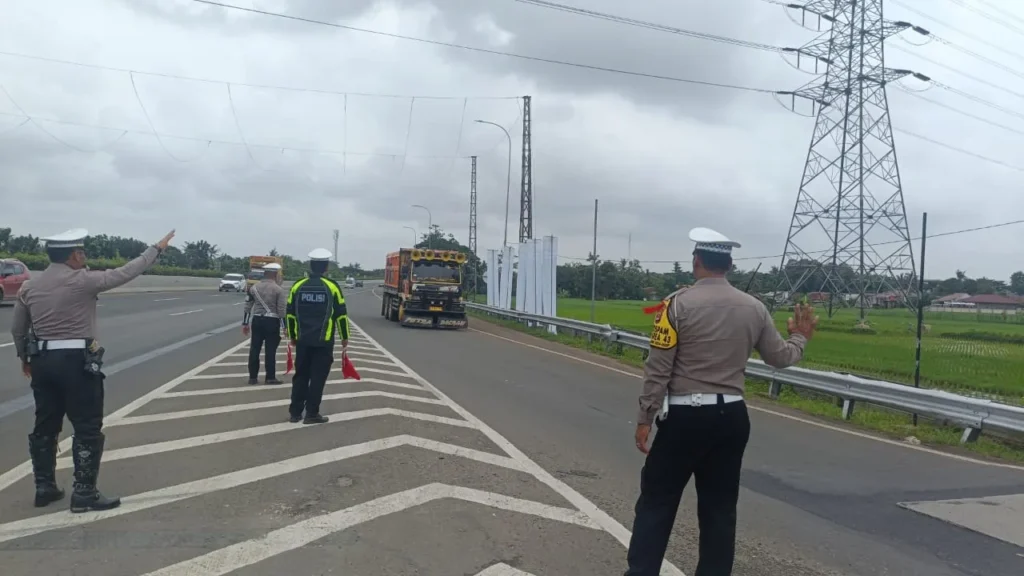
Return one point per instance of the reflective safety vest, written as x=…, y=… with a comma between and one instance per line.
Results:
x=315, y=309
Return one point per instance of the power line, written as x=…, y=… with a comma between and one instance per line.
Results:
x=959, y=111
x=956, y=29
x=960, y=150
x=486, y=50
x=650, y=25
x=208, y=141
x=956, y=70
x=987, y=16
x=930, y=236
x=244, y=84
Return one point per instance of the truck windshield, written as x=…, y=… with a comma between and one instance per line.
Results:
x=429, y=272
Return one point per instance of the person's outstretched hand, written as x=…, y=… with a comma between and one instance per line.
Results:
x=803, y=321
x=165, y=241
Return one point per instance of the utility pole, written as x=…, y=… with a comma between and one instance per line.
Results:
x=472, y=219
x=851, y=197
x=336, y=234
x=629, y=248
x=526, y=198
x=593, y=268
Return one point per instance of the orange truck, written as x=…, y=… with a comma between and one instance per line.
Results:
x=424, y=288
x=256, y=264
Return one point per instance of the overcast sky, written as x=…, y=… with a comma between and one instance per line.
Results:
x=661, y=156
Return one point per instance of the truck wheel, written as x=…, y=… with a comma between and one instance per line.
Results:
x=384, y=306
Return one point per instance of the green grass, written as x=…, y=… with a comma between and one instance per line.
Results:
x=889, y=423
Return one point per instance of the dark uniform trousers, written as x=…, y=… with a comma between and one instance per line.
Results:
x=61, y=386
x=312, y=367
x=706, y=442
x=264, y=332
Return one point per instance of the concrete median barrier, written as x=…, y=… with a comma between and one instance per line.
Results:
x=181, y=284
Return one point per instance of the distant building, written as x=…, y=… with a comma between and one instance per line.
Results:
x=950, y=298
x=989, y=302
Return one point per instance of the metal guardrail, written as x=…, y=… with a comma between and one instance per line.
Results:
x=973, y=414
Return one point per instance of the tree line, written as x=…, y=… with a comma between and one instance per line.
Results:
x=193, y=258
x=629, y=280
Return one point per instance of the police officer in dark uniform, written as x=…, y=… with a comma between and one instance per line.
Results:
x=265, y=305
x=55, y=337
x=700, y=344
x=315, y=313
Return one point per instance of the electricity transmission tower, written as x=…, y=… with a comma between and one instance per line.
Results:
x=472, y=217
x=849, y=235
x=336, y=233
x=526, y=197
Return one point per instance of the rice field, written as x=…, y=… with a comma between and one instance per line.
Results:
x=961, y=364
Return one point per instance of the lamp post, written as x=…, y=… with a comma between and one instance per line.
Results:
x=415, y=235
x=430, y=225
x=508, y=177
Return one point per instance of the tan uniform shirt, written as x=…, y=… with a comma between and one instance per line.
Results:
x=702, y=340
x=271, y=294
x=59, y=303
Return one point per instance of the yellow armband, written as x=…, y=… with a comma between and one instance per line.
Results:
x=664, y=335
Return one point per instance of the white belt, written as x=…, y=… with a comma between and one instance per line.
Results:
x=702, y=399
x=75, y=344
x=268, y=316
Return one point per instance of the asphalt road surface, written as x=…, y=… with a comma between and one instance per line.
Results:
x=479, y=452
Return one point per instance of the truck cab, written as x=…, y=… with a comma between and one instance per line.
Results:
x=424, y=288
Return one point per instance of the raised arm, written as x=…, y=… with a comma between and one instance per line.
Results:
x=783, y=353
x=97, y=281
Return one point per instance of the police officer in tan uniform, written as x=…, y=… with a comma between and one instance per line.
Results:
x=265, y=307
x=55, y=337
x=701, y=341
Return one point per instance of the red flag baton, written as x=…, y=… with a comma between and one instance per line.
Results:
x=348, y=371
x=291, y=361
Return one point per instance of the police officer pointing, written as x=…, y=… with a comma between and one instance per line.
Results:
x=55, y=337
x=700, y=344
x=265, y=306
x=315, y=312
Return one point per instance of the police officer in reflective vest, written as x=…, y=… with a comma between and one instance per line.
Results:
x=55, y=337
x=265, y=309
x=702, y=338
x=315, y=313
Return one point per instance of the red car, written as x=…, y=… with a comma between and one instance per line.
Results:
x=13, y=274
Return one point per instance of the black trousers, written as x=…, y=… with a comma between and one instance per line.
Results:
x=312, y=366
x=61, y=386
x=264, y=332
x=706, y=442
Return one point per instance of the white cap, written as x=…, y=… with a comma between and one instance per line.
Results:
x=272, y=266
x=320, y=255
x=74, y=238
x=708, y=240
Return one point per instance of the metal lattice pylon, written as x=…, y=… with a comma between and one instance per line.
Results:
x=849, y=235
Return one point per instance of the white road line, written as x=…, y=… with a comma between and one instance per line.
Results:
x=166, y=299
x=380, y=362
x=25, y=468
x=187, y=312
x=208, y=439
x=249, y=552
x=610, y=525
x=238, y=303
x=6, y=344
x=338, y=369
x=135, y=503
x=283, y=354
x=264, y=388
x=164, y=416
x=503, y=570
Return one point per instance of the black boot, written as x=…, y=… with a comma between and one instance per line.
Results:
x=87, y=453
x=43, y=450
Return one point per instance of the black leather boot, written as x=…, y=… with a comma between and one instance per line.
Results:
x=87, y=453
x=43, y=450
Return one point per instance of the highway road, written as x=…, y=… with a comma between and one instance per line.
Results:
x=480, y=452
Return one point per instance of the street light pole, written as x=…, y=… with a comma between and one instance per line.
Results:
x=508, y=177
x=430, y=225
x=415, y=235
